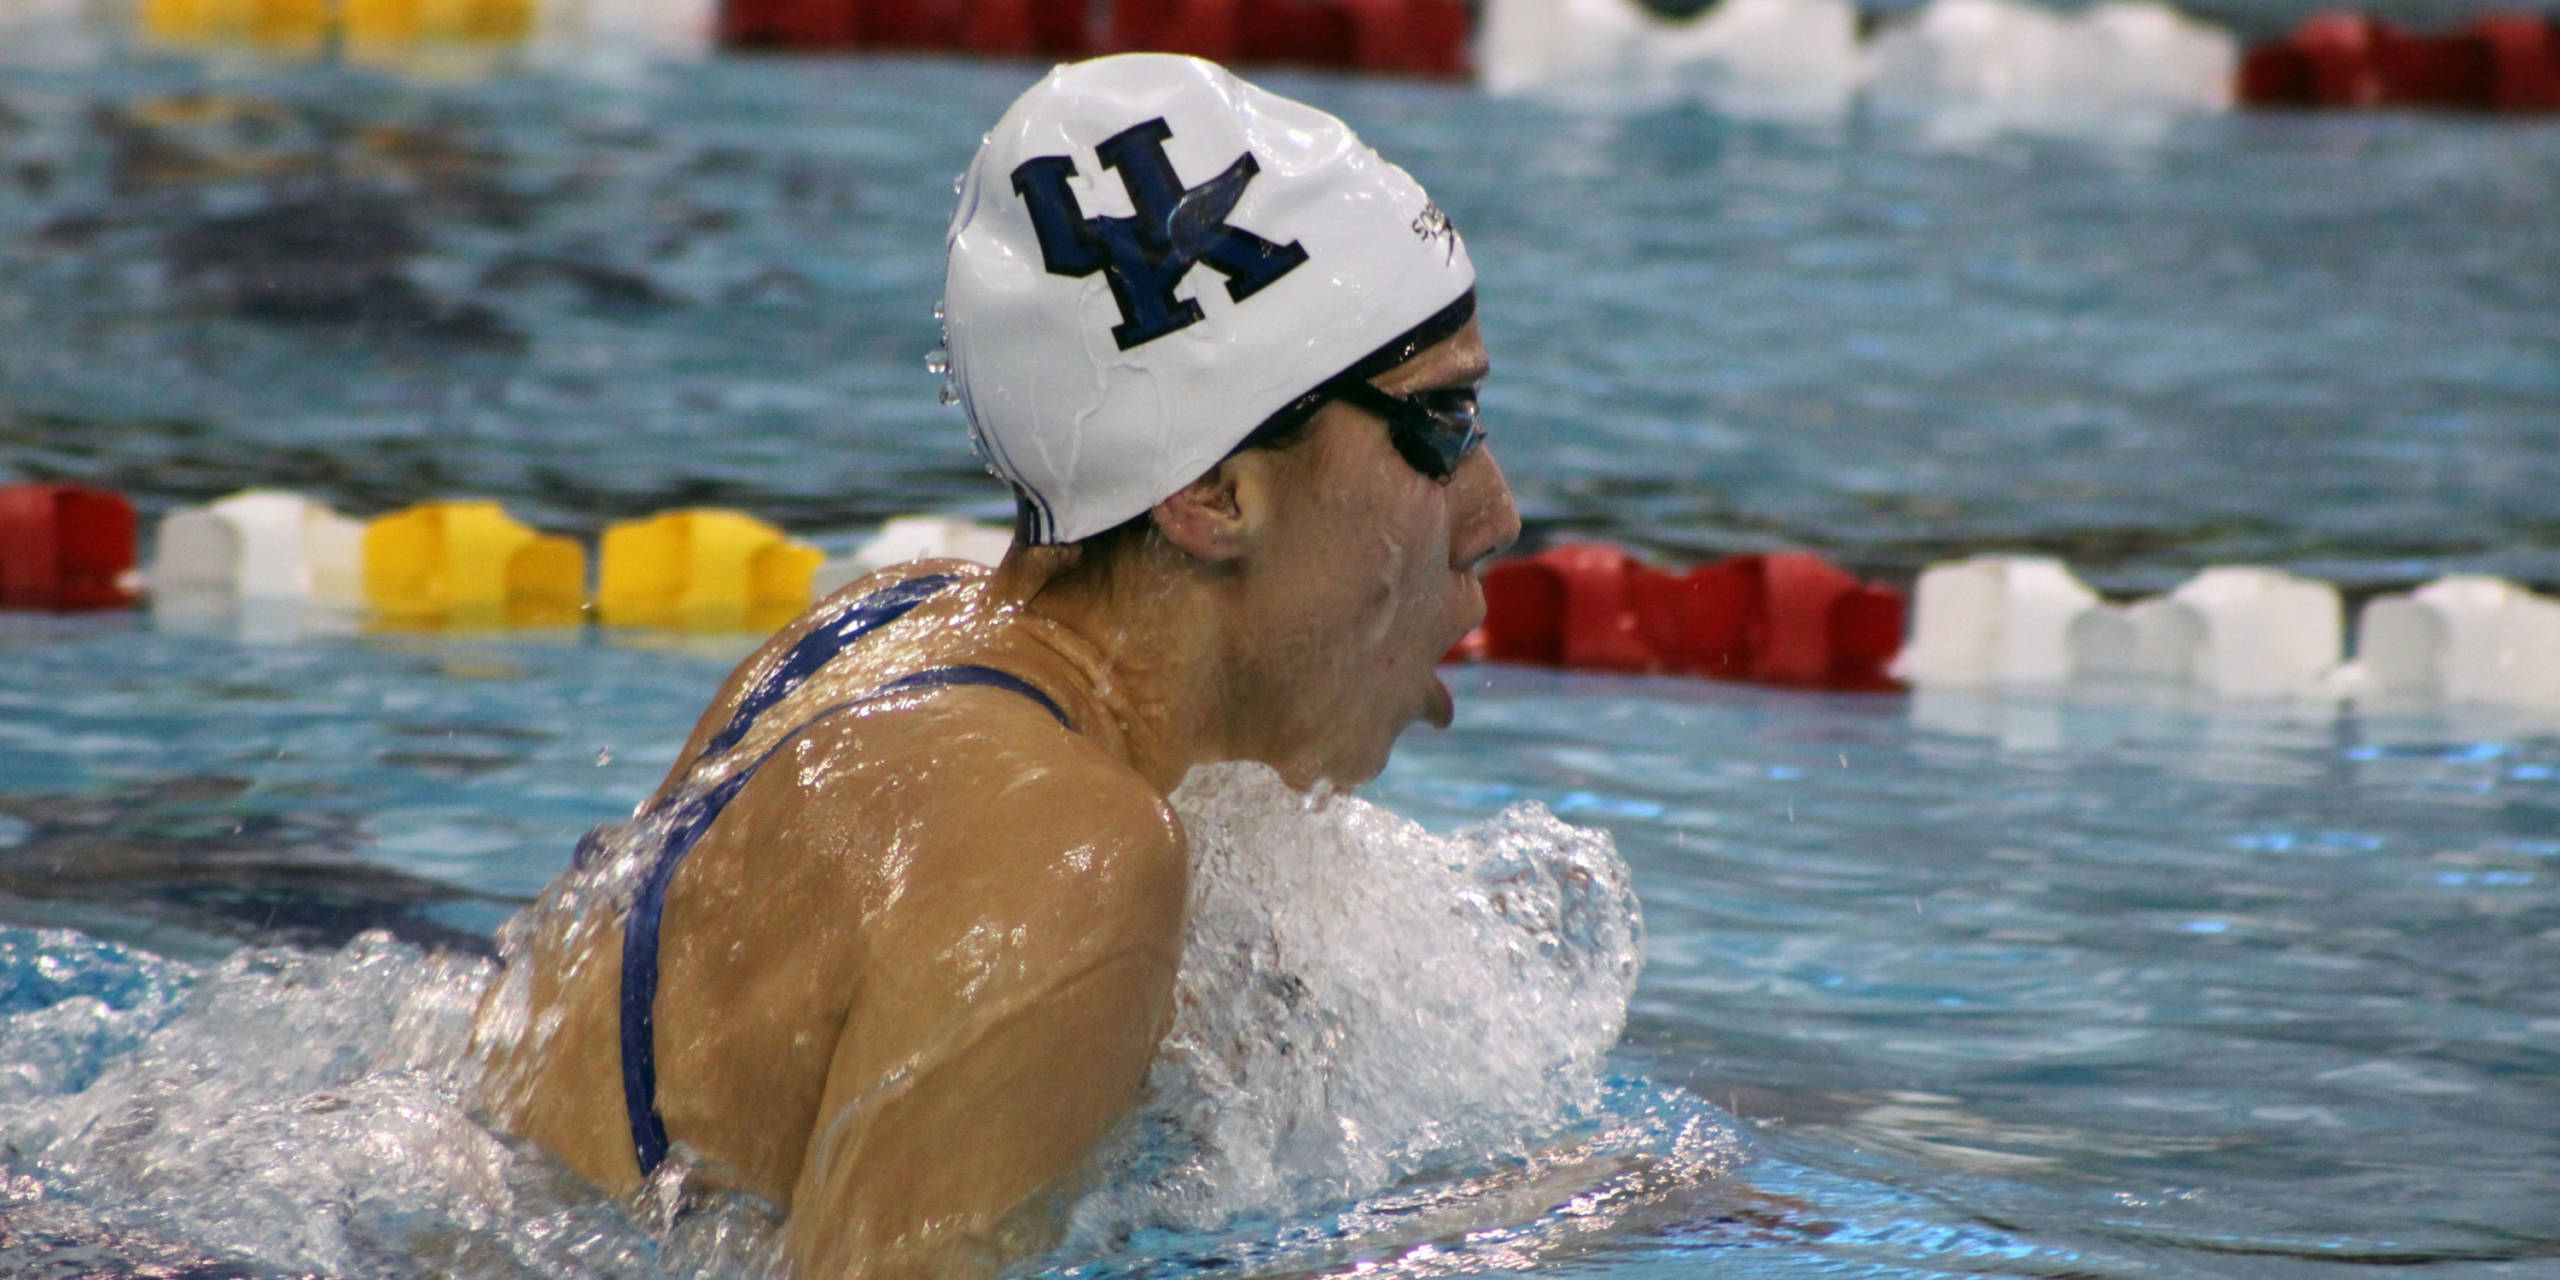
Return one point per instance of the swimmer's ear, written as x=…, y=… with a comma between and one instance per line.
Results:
x=1213, y=518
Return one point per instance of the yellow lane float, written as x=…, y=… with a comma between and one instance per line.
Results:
x=305, y=26
x=702, y=570
x=469, y=564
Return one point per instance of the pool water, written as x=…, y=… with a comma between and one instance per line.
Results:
x=2060, y=983
x=2322, y=342
x=2034, y=986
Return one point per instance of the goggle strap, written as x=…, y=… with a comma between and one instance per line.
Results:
x=1412, y=342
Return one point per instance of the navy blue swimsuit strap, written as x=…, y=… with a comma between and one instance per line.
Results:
x=688, y=816
x=819, y=646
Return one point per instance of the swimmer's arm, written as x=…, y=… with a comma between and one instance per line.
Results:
x=1041, y=1006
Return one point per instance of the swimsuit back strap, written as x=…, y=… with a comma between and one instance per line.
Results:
x=687, y=818
x=973, y=674
x=818, y=646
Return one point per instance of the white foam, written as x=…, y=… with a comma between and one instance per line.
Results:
x=1362, y=1004
x=1360, y=998
x=293, y=1097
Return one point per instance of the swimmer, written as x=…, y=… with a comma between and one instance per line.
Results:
x=895, y=942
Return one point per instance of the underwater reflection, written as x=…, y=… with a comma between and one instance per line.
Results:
x=191, y=853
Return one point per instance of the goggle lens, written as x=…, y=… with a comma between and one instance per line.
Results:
x=1434, y=430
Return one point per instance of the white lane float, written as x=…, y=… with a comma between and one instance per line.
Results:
x=273, y=565
x=2232, y=631
x=2460, y=639
x=52, y=34
x=906, y=538
x=1986, y=622
x=264, y=565
x=2235, y=631
x=1993, y=620
x=2006, y=63
x=261, y=544
x=1970, y=65
x=639, y=26
x=431, y=35
x=1758, y=57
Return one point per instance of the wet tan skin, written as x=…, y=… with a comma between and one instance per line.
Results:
x=917, y=970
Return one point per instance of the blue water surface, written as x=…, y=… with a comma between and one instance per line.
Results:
x=2019, y=987
x=2320, y=342
x=2035, y=985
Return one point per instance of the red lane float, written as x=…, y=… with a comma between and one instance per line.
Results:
x=65, y=546
x=1409, y=37
x=1786, y=618
x=1212, y=29
x=2524, y=60
x=2499, y=62
x=996, y=28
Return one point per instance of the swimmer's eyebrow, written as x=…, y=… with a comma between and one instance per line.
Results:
x=1469, y=373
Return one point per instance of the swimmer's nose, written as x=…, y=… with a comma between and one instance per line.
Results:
x=1485, y=521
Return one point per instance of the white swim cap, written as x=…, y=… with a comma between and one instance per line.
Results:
x=1150, y=258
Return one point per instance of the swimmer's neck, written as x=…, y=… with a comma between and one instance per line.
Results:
x=1154, y=638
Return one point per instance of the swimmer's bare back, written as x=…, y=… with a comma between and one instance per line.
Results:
x=913, y=972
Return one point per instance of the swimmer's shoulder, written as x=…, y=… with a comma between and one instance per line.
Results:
x=992, y=785
x=960, y=581
x=835, y=602
x=1010, y=997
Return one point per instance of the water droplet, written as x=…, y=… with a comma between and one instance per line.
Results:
x=958, y=183
x=937, y=360
x=950, y=394
x=937, y=312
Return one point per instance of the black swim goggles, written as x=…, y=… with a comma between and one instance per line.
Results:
x=1433, y=431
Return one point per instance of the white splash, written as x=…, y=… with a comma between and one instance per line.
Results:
x=1378, y=1029
x=302, y=1112
x=1361, y=1001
